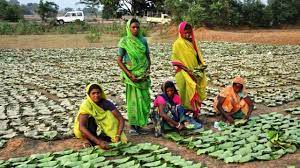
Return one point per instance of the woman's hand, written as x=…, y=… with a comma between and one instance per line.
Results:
x=181, y=127
x=229, y=119
x=117, y=139
x=133, y=78
x=102, y=144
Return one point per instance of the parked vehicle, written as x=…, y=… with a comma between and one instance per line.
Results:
x=70, y=17
x=163, y=19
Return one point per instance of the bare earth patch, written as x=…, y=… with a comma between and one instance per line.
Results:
x=264, y=36
x=20, y=146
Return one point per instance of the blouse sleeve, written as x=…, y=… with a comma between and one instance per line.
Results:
x=121, y=52
x=108, y=105
x=177, y=99
x=147, y=48
x=159, y=101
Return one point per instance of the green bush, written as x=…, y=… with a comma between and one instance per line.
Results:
x=10, y=12
x=94, y=35
x=6, y=28
x=94, y=31
x=23, y=28
x=71, y=28
x=252, y=13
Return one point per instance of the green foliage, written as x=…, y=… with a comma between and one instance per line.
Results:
x=13, y=13
x=284, y=11
x=91, y=5
x=10, y=12
x=94, y=31
x=94, y=35
x=178, y=9
x=255, y=13
x=47, y=10
x=234, y=12
x=5, y=28
x=24, y=27
x=110, y=11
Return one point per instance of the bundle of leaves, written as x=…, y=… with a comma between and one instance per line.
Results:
x=264, y=137
x=120, y=156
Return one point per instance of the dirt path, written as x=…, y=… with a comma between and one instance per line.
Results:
x=169, y=34
x=260, y=36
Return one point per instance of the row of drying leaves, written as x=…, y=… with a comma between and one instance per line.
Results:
x=121, y=156
x=265, y=137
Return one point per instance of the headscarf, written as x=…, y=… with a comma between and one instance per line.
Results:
x=136, y=51
x=105, y=120
x=238, y=80
x=181, y=28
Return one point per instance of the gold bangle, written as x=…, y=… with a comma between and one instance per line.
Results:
x=117, y=135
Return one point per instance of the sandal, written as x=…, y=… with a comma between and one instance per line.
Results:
x=133, y=132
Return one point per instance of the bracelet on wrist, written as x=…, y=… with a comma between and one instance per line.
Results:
x=178, y=125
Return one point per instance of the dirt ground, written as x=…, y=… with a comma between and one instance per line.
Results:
x=269, y=36
x=21, y=146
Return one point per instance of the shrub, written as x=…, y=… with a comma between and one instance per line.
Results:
x=6, y=28
x=94, y=35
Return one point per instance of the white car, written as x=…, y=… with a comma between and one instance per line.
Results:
x=163, y=19
x=70, y=17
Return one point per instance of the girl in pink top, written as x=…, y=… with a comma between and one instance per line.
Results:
x=169, y=113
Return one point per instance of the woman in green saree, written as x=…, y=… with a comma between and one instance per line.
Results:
x=134, y=60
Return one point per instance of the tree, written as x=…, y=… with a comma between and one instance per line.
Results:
x=133, y=7
x=68, y=9
x=89, y=11
x=284, y=11
x=91, y=4
x=47, y=10
x=177, y=8
x=253, y=13
x=110, y=11
x=225, y=12
x=3, y=6
x=10, y=12
x=33, y=7
x=13, y=13
x=14, y=2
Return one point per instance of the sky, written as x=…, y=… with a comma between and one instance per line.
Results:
x=61, y=3
x=70, y=3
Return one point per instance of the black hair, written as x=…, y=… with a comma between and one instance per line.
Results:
x=93, y=86
x=134, y=20
x=168, y=84
x=187, y=27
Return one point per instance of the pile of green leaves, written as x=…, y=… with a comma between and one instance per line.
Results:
x=264, y=137
x=120, y=156
x=295, y=111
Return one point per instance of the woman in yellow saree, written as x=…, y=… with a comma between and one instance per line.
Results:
x=98, y=115
x=190, y=65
